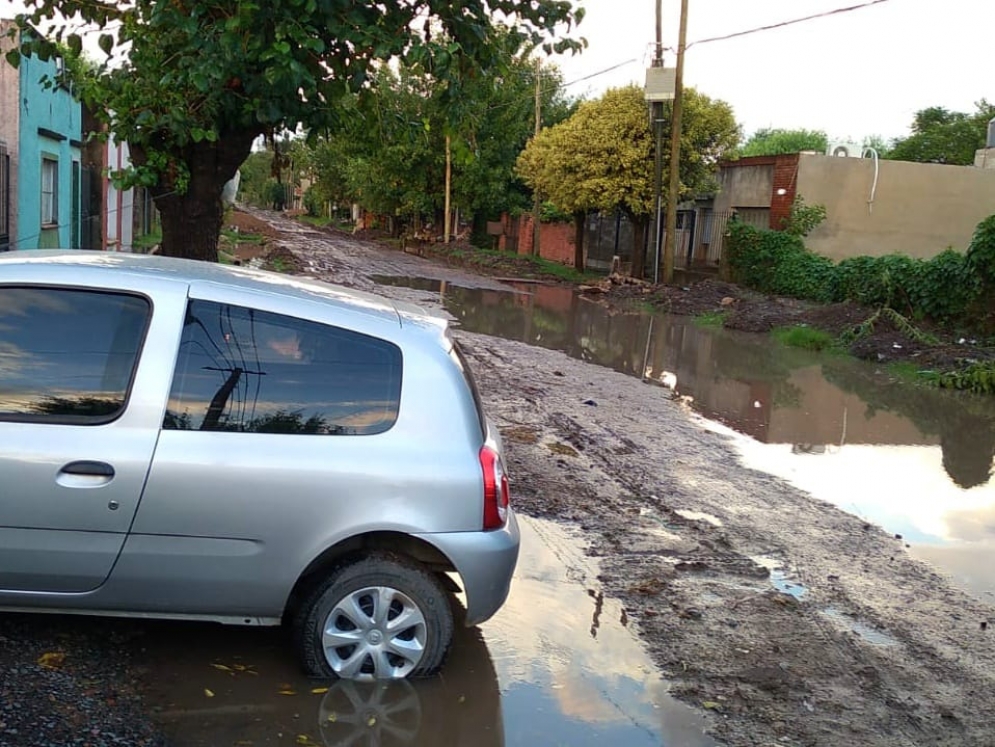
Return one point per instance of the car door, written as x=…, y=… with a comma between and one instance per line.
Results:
x=73, y=454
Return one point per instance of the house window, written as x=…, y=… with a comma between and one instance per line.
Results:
x=49, y=192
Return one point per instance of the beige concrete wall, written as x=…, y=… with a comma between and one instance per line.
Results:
x=745, y=187
x=985, y=158
x=918, y=209
x=10, y=111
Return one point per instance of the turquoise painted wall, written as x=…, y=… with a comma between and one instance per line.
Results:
x=50, y=126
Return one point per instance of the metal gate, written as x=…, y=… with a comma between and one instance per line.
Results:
x=4, y=198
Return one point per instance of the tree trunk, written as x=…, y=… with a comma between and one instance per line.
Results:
x=191, y=220
x=579, y=221
x=640, y=224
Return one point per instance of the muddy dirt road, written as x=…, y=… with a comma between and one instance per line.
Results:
x=785, y=619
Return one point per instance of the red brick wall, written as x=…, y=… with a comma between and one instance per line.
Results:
x=786, y=178
x=557, y=240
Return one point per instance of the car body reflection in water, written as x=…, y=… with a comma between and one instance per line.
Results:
x=915, y=460
x=557, y=665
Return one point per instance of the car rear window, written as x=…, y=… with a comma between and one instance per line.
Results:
x=68, y=355
x=249, y=371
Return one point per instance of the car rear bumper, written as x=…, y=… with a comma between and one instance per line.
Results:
x=485, y=562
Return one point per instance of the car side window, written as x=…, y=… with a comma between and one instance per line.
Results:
x=249, y=371
x=68, y=355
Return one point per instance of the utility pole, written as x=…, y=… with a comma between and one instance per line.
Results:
x=537, y=198
x=449, y=181
x=673, y=191
x=657, y=116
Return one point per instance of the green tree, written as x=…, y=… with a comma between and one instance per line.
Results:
x=389, y=156
x=202, y=80
x=775, y=142
x=602, y=157
x=942, y=136
x=256, y=171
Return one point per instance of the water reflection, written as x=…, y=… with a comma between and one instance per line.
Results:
x=774, y=394
x=556, y=666
x=916, y=461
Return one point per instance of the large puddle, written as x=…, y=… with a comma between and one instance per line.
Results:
x=556, y=666
x=914, y=460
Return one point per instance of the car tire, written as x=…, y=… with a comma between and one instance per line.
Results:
x=380, y=617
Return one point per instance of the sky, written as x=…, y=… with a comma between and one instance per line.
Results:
x=852, y=75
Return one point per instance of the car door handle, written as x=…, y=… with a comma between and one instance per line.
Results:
x=88, y=468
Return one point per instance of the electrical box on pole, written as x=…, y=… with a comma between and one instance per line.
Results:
x=661, y=84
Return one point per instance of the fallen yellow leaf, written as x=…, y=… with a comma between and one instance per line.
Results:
x=208, y=693
x=288, y=692
x=332, y=718
x=51, y=659
x=222, y=667
x=711, y=705
x=319, y=690
x=371, y=721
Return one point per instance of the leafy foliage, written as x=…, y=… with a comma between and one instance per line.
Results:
x=389, y=154
x=202, y=80
x=942, y=136
x=778, y=262
x=602, y=157
x=804, y=218
x=976, y=377
x=775, y=142
x=950, y=288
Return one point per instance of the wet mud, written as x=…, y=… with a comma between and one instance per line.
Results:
x=779, y=616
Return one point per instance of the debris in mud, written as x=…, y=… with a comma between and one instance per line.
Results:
x=562, y=449
x=520, y=434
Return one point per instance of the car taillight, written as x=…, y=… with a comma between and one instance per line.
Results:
x=496, y=492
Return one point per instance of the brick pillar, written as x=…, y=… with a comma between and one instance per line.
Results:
x=525, y=235
x=786, y=179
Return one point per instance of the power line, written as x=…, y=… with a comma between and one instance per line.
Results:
x=606, y=70
x=782, y=24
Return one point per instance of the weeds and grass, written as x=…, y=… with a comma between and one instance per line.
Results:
x=806, y=338
x=144, y=244
x=522, y=265
x=906, y=371
x=315, y=220
x=238, y=237
x=713, y=319
x=225, y=258
x=280, y=264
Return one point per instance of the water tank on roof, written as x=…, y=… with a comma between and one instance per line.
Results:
x=991, y=133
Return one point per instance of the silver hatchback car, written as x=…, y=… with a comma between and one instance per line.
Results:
x=193, y=441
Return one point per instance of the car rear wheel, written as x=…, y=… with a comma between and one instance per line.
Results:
x=381, y=617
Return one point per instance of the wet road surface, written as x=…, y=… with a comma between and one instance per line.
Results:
x=556, y=666
x=913, y=460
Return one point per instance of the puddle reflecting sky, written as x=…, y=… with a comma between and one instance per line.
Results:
x=916, y=461
x=556, y=666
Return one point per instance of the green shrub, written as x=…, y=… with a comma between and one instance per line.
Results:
x=804, y=218
x=778, y=262
x=951, y=288
x=981, y=253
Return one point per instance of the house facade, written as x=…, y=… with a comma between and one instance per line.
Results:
x=874, y=208
x=41, y=127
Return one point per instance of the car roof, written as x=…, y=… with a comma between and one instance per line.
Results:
x=195, y=272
